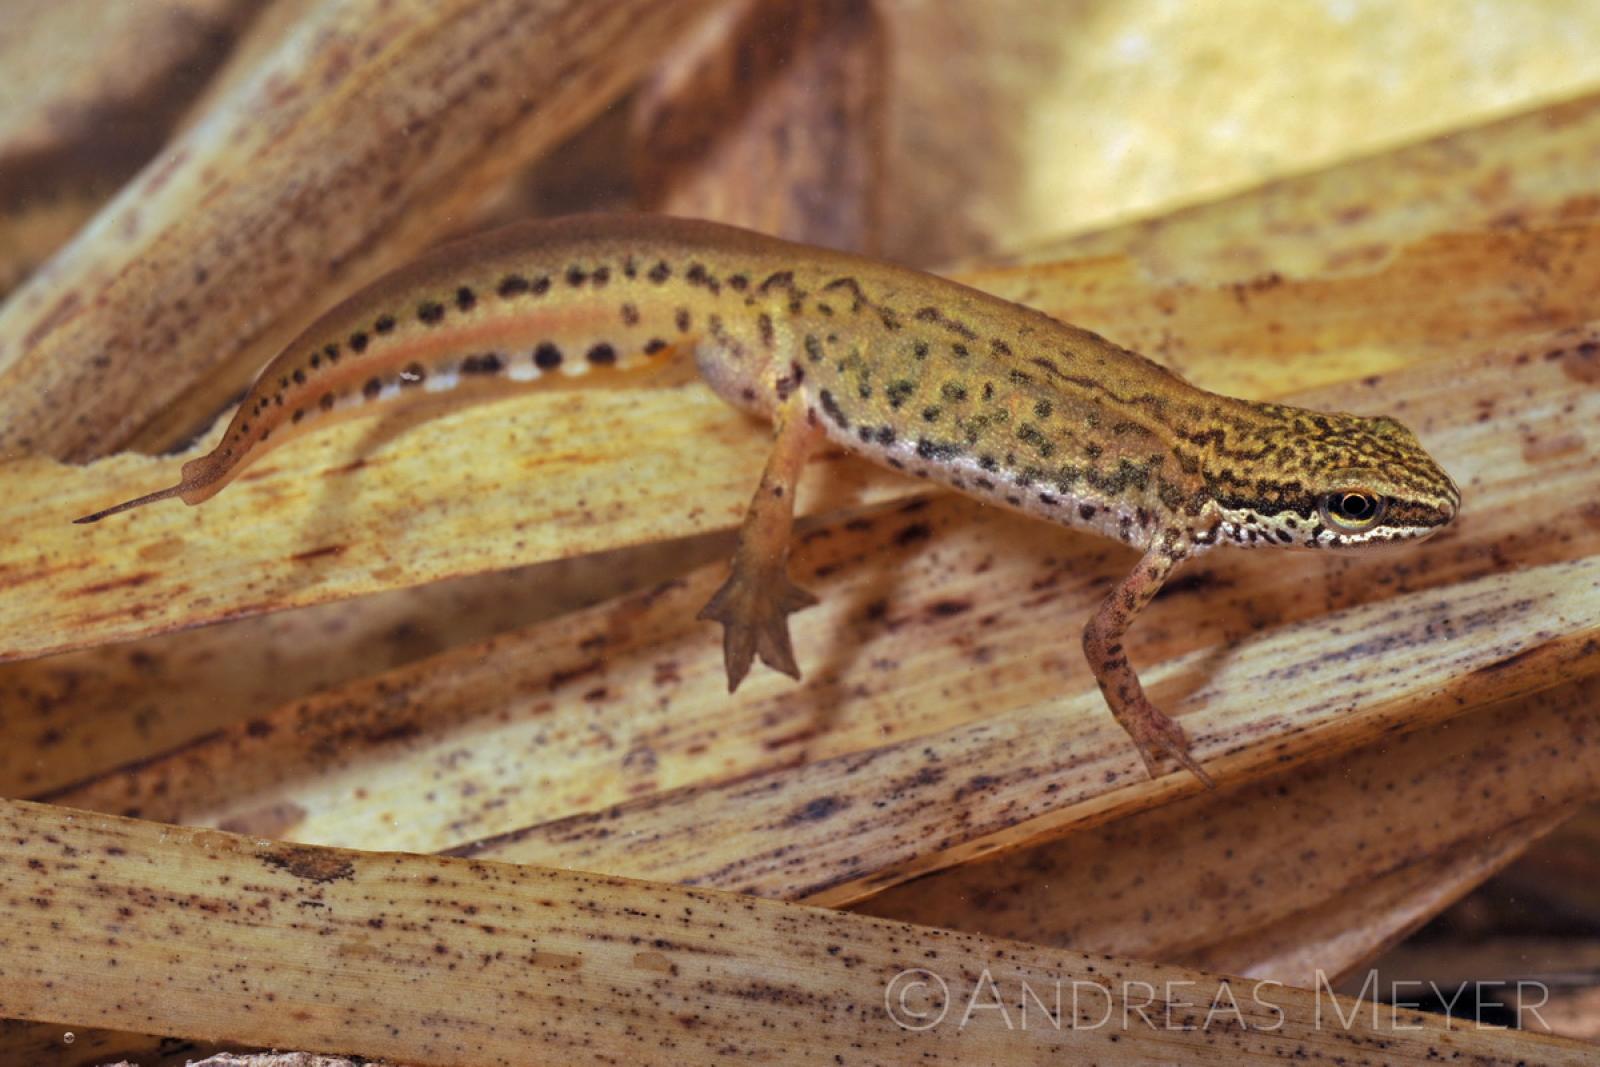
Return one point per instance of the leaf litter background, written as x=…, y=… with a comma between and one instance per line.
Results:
x=473, y=633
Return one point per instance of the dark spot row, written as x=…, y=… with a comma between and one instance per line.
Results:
x=465, y=298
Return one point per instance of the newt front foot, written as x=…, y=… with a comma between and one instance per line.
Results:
x=1156, y=734
x=754, y=606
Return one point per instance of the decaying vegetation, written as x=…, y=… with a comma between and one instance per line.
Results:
x=452, y=771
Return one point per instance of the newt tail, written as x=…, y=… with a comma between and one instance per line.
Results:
x=202, y=479
x=457, y=319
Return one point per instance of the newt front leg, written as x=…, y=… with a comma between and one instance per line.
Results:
x=755, y=602
x=1151, y=729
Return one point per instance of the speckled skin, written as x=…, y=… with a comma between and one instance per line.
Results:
x=910, y=370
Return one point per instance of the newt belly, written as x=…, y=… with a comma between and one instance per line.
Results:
x=910, y=370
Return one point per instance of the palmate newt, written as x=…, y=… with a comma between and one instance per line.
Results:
x=910, y=370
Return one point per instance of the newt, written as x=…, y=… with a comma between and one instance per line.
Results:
x=907, y=369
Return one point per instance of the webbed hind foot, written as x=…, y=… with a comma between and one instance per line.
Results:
x=754, y=606
x=755, y=603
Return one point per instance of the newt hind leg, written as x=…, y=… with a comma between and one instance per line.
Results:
x=755, y=603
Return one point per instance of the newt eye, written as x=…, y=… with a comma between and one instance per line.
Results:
x=1352, y=510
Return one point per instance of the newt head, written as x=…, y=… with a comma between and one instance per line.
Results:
x=1333, y=481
